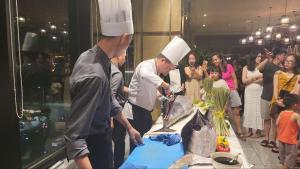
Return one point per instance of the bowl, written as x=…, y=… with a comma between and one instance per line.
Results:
x=219, y=160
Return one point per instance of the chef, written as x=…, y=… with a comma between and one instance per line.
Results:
x=88, y=132
x=145, y=82
x=176, y=78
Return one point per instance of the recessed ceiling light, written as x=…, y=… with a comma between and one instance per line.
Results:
x=203, y=25
x=204, y=14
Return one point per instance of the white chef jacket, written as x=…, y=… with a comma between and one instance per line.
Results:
x=175, y=79
x=143, y=87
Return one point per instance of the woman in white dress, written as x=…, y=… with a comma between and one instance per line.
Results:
x=252, y=79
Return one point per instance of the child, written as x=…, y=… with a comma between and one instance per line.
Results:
x=215, y=74
x=288, y=124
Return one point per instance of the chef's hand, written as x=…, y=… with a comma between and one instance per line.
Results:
x=163, y=98
x=135, y=136
x=165, y=85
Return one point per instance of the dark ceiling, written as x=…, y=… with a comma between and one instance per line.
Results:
x=235, y=16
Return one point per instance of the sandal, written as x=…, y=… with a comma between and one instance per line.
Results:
x=249, y=134
x=275, y=149
x=241, y=136
x=255, y=136
x=264, y=143
x=272, y=144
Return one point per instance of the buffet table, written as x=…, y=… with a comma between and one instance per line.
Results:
x=157, y=155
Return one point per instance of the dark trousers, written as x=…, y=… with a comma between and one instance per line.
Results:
x=118, y=136
x=100, y=147
x=142, y=121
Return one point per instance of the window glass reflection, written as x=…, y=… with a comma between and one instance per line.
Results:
x=45, y=69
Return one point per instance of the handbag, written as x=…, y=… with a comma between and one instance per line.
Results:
x=275, y=109
x=282, y=93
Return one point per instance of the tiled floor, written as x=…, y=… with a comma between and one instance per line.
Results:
x=260, y=156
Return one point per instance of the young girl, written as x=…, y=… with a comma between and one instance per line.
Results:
x=288, y=124
x=215, y=74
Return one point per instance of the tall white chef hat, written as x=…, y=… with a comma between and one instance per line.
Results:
x=31, y=42
x=176, y=50
x=116, y=17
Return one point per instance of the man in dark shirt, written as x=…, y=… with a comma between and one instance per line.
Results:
x=88, y=132
x=268, y=68
x=118, y=90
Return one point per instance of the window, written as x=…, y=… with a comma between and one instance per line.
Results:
x=43, y=59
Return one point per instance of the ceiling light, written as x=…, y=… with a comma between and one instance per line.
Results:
x=250, y=38
x=268, y=37
x=286, y=40
x=258, y=33
x=203, y=25
x=43, y=30
x=204, y=14
x=21, y=19
x=259, y=42
x=65, y=32
x=298, y=37
x=285, y=20
x=293, y=27
x=269, y=29
x=278, y=36
x=244, y=41
x=54, y=37
x=53, y=27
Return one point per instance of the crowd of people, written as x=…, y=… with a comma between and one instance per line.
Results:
x=270, y=83
x=100, y=113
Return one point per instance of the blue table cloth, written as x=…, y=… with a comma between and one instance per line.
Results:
x=153, y=154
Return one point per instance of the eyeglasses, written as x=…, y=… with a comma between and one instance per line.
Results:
x=289, y=61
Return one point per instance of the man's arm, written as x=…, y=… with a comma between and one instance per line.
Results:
x=84, y=102
x=83, y=162
x=134, y=134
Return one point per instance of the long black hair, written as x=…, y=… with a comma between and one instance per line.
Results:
x=251, y=62
x=223, y=64
x=196, y=59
